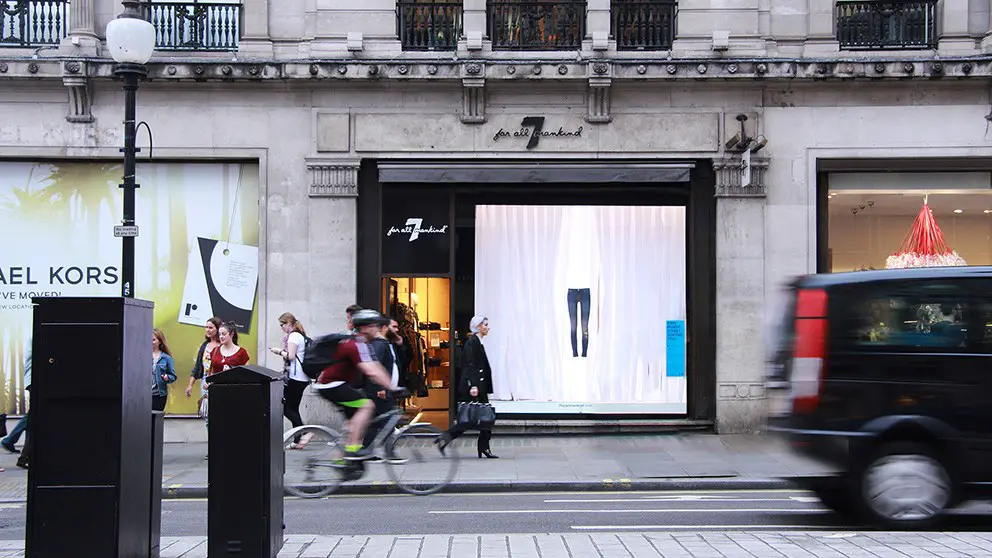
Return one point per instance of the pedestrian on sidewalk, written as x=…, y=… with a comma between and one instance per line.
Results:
x=475, y=384
x=228, y=354
x=384, y=352
x=163, y=370
x=21, y=427
x=201, y=366
x=294, y=345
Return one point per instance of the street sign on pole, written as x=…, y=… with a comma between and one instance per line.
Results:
x=746, y=168
x=125, y=230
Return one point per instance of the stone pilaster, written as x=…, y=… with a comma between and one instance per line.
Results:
x=953, y=34
x=82, y=39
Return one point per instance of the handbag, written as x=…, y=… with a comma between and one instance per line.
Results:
x=477, y=415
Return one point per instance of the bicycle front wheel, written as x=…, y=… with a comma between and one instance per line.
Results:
x=416, y=463
x=316, y=466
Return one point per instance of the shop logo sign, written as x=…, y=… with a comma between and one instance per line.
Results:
x=414, y=227
x=532, y=127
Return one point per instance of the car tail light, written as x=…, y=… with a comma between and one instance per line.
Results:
x=810, y=352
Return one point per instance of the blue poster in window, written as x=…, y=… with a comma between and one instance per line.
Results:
x=675, y=348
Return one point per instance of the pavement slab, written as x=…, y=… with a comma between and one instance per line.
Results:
x=684, y=461
x=728, y=544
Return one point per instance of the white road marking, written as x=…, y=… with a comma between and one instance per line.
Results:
x=686, y=498
x=805, y=499
x=704, y=528
x=671, y=510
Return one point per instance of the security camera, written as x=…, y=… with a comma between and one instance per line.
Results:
x=735, y=141
x=758, y=143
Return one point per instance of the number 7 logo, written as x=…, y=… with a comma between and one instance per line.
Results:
x=538, y=123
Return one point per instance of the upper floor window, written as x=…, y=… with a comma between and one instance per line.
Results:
x=195, y=25
x=429, y=24
x=33, y=23
x=537, y=25
x=892, y=24
x=643, y=24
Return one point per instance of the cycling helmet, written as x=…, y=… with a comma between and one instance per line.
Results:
x=366, y=318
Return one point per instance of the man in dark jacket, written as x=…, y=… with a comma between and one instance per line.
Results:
x=383, y=351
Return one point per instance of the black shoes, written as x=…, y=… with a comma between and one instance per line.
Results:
x=488, y=453
x=442, y=441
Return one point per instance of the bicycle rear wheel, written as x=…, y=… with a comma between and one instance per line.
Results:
x=317, y=469
x=424, y=469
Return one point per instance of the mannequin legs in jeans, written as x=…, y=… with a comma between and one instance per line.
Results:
x=578, y=306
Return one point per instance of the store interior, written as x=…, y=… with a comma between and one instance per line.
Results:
x=422, y=308
x=871, y=215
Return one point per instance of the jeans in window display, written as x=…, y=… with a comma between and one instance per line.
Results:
x=578, y=306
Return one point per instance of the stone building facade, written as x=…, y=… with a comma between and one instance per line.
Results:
x=327, y=97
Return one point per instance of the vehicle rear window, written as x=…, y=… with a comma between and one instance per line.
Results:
x=908, y=315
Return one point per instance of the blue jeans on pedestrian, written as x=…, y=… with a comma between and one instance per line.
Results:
x=15, y=434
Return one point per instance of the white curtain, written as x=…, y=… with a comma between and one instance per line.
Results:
x=515, y=259
x=631, y=260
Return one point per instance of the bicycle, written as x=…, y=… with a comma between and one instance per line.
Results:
x=413, y=457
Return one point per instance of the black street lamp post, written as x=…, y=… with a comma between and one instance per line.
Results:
x=131, y=41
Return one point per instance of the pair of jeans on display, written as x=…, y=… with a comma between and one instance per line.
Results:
x=579, y=298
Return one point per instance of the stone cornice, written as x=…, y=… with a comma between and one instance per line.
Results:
x=333, y=178
x=695, y=70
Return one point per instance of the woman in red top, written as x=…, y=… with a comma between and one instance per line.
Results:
x=228, y=354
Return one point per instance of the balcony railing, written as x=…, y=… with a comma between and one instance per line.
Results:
x=892, y=24
x=639, y=25
x=429, y=25
x=537, y=25
x=195, y=25
x=33, y=23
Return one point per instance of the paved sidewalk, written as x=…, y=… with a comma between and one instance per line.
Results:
x=733, y=544
x=685, y=461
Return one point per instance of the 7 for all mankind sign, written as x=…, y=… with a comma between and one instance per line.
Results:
x=532, y=129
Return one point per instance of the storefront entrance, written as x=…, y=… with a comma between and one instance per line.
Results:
x=597, y=292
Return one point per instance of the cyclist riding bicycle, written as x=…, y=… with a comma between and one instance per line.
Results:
x=351, y=358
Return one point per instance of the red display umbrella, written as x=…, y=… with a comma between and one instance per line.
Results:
x=924, y=245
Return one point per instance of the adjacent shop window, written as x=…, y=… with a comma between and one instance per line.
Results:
x=900, y=220
x=586, y=307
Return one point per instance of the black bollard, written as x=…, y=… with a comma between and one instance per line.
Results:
x=89, y=476
x=245, y=471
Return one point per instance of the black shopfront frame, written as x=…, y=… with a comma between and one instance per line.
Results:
x=696, y=194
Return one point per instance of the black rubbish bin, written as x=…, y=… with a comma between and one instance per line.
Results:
x=89, y=476
x=158, y=438
x=245, y=471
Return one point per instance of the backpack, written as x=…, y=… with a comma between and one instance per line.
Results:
x=319, y=353
x=306, y=345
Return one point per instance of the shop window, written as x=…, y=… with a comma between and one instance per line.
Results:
x=898, y=220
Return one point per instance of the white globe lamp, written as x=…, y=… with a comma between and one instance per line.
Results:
x=130, y=37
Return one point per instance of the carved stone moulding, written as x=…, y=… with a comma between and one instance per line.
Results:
x=728, y=177
x=333, y=178
x=388, y=69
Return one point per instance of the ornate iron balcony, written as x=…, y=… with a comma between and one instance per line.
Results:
x=537, y=25
x=33, y=23
x=195, y=25
x=426, y=25
x=640, y=25
x=892, y=24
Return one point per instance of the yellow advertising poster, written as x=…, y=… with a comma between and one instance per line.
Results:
x=58, y=220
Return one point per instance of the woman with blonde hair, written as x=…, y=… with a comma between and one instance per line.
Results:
x=163, y=370
x=294, y=344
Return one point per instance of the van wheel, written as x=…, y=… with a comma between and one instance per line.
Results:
x=903, y=485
